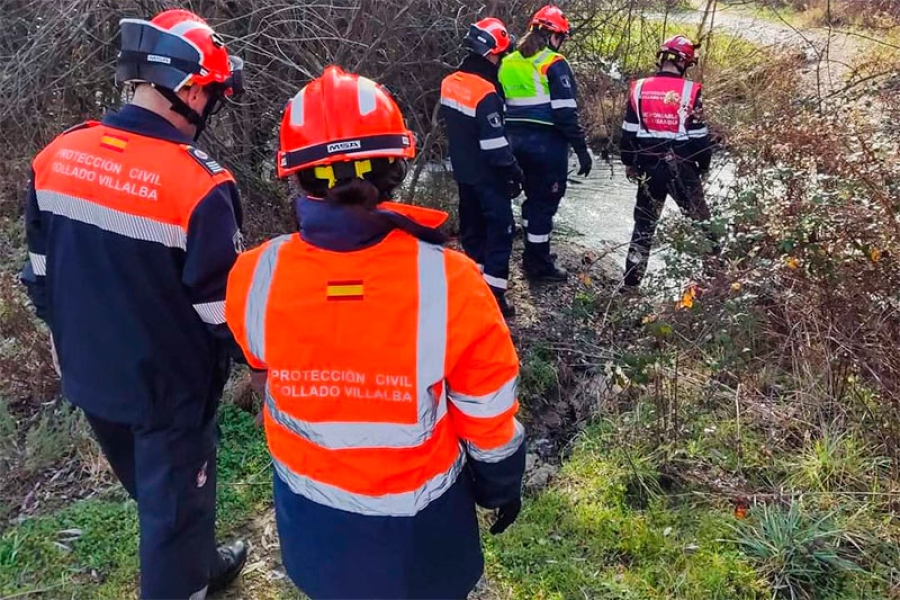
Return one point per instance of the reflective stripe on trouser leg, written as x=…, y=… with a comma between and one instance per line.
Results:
x=258, y=298
x=496, y=207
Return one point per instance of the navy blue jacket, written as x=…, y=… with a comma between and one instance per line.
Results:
x=435, y=554
x=138, y=325
x=476, y=132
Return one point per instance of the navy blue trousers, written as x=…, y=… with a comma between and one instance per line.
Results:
x=543, y=154
x=330, y=553
x=486, y=229
x=171, y=473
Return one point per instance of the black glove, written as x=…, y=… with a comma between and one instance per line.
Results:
x=585, y=162
x=506, y=516
x=513, y=189
x=515, y=177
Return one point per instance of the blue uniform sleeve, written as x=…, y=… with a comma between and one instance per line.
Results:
x=34, y=273
x=628, y=144
x=700, y=144
x=564, y=101
x=492, y=140
x=213, y=243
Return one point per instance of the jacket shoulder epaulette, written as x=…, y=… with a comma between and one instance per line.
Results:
x=209, y=164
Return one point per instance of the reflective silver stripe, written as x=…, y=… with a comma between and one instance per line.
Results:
x=632, y=127
x=457, y=106
x=431, y=336
x=495, y=455
x=489, y=405
x=495, y=281
x=539, y=101
x=211, y=312
x=538, y=239
x=698, y=133
x=258, y=298
x=365, y=91
x=406, y=504
x=114, y=221
x=683, y=114
x=297, y=105
x=661, y=135
x=38, y=263
x=636, y=99
x=343, y=436
x=571, y=103
x=493, y=143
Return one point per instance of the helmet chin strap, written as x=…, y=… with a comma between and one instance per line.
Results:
x=179, y=106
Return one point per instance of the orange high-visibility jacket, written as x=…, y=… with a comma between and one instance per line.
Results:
x=387, y=367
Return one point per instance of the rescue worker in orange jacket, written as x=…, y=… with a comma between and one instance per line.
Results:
x=391, y=375
x=131, y=232
x=483, y=163
x=666, y=148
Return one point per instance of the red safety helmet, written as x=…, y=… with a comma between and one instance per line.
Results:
x=552, y=19
x=341, y=117
x=679, y=47
x=489, y=37
x=174, y=50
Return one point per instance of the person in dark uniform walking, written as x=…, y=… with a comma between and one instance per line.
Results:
x=665, y=147
x=132, y=231
x=542, y=121
x=483, y=163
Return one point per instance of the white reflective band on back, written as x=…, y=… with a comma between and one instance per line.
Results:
x=493, y=143
x=258, y=298
x=489, y=405
x=698, y=133
x=661, y=135
x=114, y=221
x=343, y=436
x=636, y=100
x=686, y=92
x=495, y=281
x=541, y=101
x=457, y=106
x=406, y=504
x=431, y=337
x=211, y=312
x=38, y=263
x=538, y=239
x=570, y=103
x=495, y=455
x=632, y=127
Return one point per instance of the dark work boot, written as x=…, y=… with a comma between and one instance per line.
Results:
x=507, y=310
x=230, y=560
x=547, y=272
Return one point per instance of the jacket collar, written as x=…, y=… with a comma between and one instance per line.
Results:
x=482, y=67
x=342, y=228
x=144, y=122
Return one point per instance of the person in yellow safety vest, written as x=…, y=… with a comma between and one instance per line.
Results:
x=542, y=122
x=391, y=374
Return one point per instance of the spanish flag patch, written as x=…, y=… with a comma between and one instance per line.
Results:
x=345, y=290
x=114, y=142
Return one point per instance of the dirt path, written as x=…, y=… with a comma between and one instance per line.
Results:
x=830, y=54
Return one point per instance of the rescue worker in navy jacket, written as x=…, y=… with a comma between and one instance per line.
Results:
x=483, y=163
x=542, y=122
x=131, y=232
x=666, y=147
